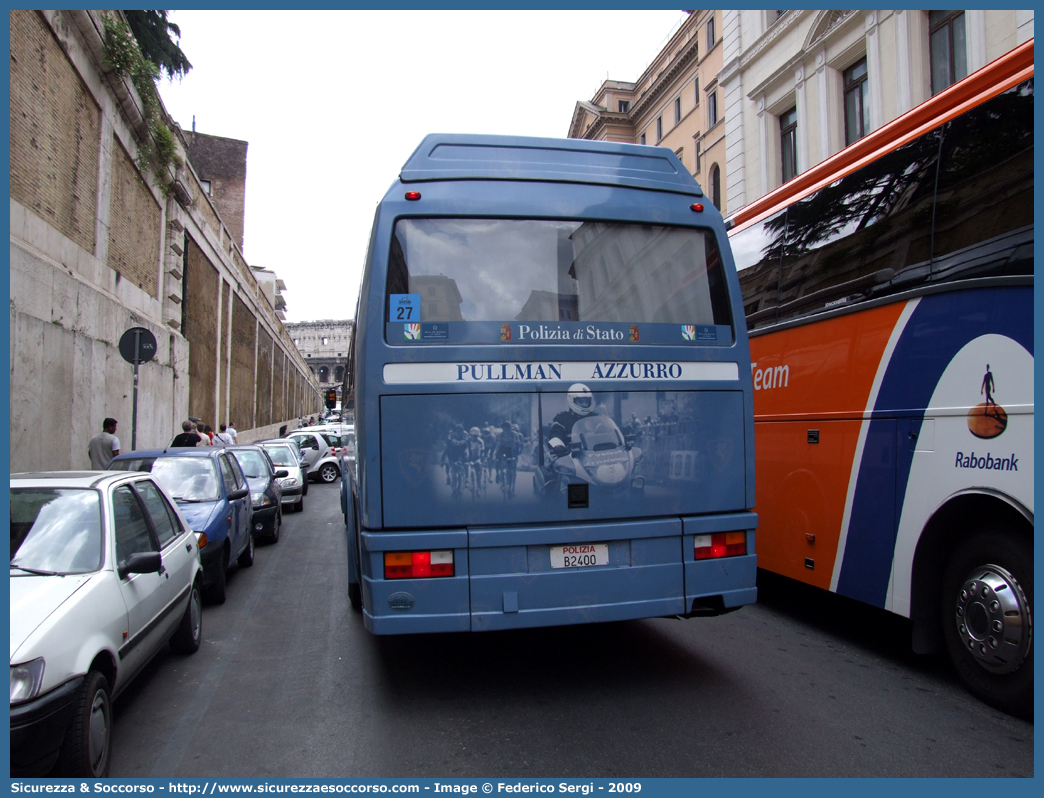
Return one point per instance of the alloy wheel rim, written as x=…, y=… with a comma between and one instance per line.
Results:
x=994, y=620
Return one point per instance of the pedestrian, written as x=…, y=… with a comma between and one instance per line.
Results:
x=188, y=436
x=231, y=430
x=201, y=430
x=224, y=436
x=104, y=446
x=209, y=432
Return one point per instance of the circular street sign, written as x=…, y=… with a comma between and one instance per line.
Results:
x=145, y=349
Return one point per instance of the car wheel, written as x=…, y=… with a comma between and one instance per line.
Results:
x=987, y=617
x=277, y=524
x=246, y=559
x=329, y=473
x=299, y=507
x=216, y=591
x=190, y=631
x=88, y=742
x=355, y=596
x=304, y=488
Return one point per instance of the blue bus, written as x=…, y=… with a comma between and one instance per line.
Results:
x=552, y=394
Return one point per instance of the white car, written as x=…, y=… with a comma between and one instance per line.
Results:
x=104, y=572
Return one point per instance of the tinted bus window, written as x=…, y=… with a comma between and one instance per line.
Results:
x=865, y=233
x=495, y=270
x=987, y=152
x=758, y=250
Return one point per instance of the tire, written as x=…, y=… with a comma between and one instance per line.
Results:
x=299, y=507
x=87, y=749
x=189, y=633
x=277, y=525
x=304, y=488
x=329, y=473
x=216, y=591
x=246, y=557
x=355, y=596
x=990, y=639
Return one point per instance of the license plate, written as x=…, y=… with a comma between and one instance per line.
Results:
x=580, y=555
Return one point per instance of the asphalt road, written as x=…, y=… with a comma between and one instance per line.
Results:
x=288, y=683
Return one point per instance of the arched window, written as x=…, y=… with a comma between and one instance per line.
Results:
x=339, y=374
x=715, y=186
x=324, y=374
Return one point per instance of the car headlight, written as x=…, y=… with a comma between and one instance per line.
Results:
x=289, y=482
x=259, y=499
x=26, y=680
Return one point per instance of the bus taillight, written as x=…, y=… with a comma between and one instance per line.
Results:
x=722, y=544
x=417, y=564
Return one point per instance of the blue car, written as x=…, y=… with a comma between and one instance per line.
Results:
x=214, y=497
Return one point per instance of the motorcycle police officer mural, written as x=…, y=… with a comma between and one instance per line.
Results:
x=586, y=447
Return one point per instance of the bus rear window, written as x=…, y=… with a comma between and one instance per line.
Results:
x=529, y=270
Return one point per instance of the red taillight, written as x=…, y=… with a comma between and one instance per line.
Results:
x=413, y=195
x=696, y=206
x=417, y=564
x=722, y=544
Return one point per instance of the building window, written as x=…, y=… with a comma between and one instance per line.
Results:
x=697, y=156
x=857, y=102
x=710, y=32
x=788, y=143
x=949, y=52
x=677, y=110
x=697, y=101
x=205, y=185
x=623, y=106
x=641, y=139
x=712, y=107
x=659, y=128
x=325, y=340
x=715, y=186
x=679, y=152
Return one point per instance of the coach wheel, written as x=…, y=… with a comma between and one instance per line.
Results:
x=987, y=618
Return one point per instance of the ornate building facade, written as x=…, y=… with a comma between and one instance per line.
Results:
x=324, y=346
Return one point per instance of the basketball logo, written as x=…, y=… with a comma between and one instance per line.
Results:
x=988, y=419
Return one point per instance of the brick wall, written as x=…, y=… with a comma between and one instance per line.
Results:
x=55, y=130
x=279, y=406
x=263, y=386
x=244, y=333
x=199, y=326
x=134, y=225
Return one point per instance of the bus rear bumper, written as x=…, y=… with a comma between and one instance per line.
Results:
x=504, y=578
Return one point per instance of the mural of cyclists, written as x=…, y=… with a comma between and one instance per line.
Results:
x=525, y=449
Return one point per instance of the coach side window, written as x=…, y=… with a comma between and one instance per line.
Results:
x=757, y=251
x=984, y=215
x=868, y=233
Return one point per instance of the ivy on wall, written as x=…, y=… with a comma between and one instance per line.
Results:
x=123, y=56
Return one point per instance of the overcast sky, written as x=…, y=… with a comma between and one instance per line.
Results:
x=332, y=104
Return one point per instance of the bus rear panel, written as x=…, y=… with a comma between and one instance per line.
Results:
x=553, y=394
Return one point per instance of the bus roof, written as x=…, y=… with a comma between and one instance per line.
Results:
x=475, y=157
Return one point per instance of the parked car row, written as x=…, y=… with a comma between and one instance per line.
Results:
x=107, y=567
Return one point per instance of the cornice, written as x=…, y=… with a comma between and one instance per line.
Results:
x=659, y=88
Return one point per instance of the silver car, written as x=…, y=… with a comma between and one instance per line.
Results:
x=295, y=485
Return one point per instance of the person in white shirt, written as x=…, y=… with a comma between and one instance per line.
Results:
x=104, y=446
x=231, y=430
x=224, y=435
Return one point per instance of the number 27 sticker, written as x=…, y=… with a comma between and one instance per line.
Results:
x=404, y=307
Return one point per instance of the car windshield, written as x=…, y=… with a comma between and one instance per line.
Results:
x=187, y=479
x=253, y=462
x=55, y=530
x=282, y=455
